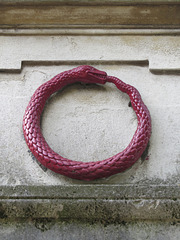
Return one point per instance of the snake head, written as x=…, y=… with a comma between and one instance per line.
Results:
x=90, y=74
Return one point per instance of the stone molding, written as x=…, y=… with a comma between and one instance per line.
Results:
x=94, y=203
x=153, y=53
x=90, y=14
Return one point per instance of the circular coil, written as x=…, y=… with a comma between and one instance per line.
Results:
x=77, y=169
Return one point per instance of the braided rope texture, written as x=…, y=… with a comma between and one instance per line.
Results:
x=84, y=170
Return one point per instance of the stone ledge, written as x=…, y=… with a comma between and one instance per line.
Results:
x=88, y=32
x=91, y=202
x=86, y=14
x=91, y=192
x=88, y=2
x=158, y=53
x=18, y=66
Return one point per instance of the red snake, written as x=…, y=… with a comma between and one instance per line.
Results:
x=76, y=169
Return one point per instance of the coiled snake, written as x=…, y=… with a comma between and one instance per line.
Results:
x=76, y=169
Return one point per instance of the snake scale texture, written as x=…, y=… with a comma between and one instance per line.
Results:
x=76, y=169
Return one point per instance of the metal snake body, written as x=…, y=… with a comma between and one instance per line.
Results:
x=76, y=169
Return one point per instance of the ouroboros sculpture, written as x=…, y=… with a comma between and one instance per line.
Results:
x=76, y=169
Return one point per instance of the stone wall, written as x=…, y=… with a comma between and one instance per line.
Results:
x=90, y=122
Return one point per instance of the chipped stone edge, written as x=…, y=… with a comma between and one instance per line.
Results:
x=110, y=203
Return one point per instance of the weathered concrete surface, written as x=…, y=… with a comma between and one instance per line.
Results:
x=50, y=229
x=131, y=14
x=159, y=53
x=91, y=123
x=108, y=203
